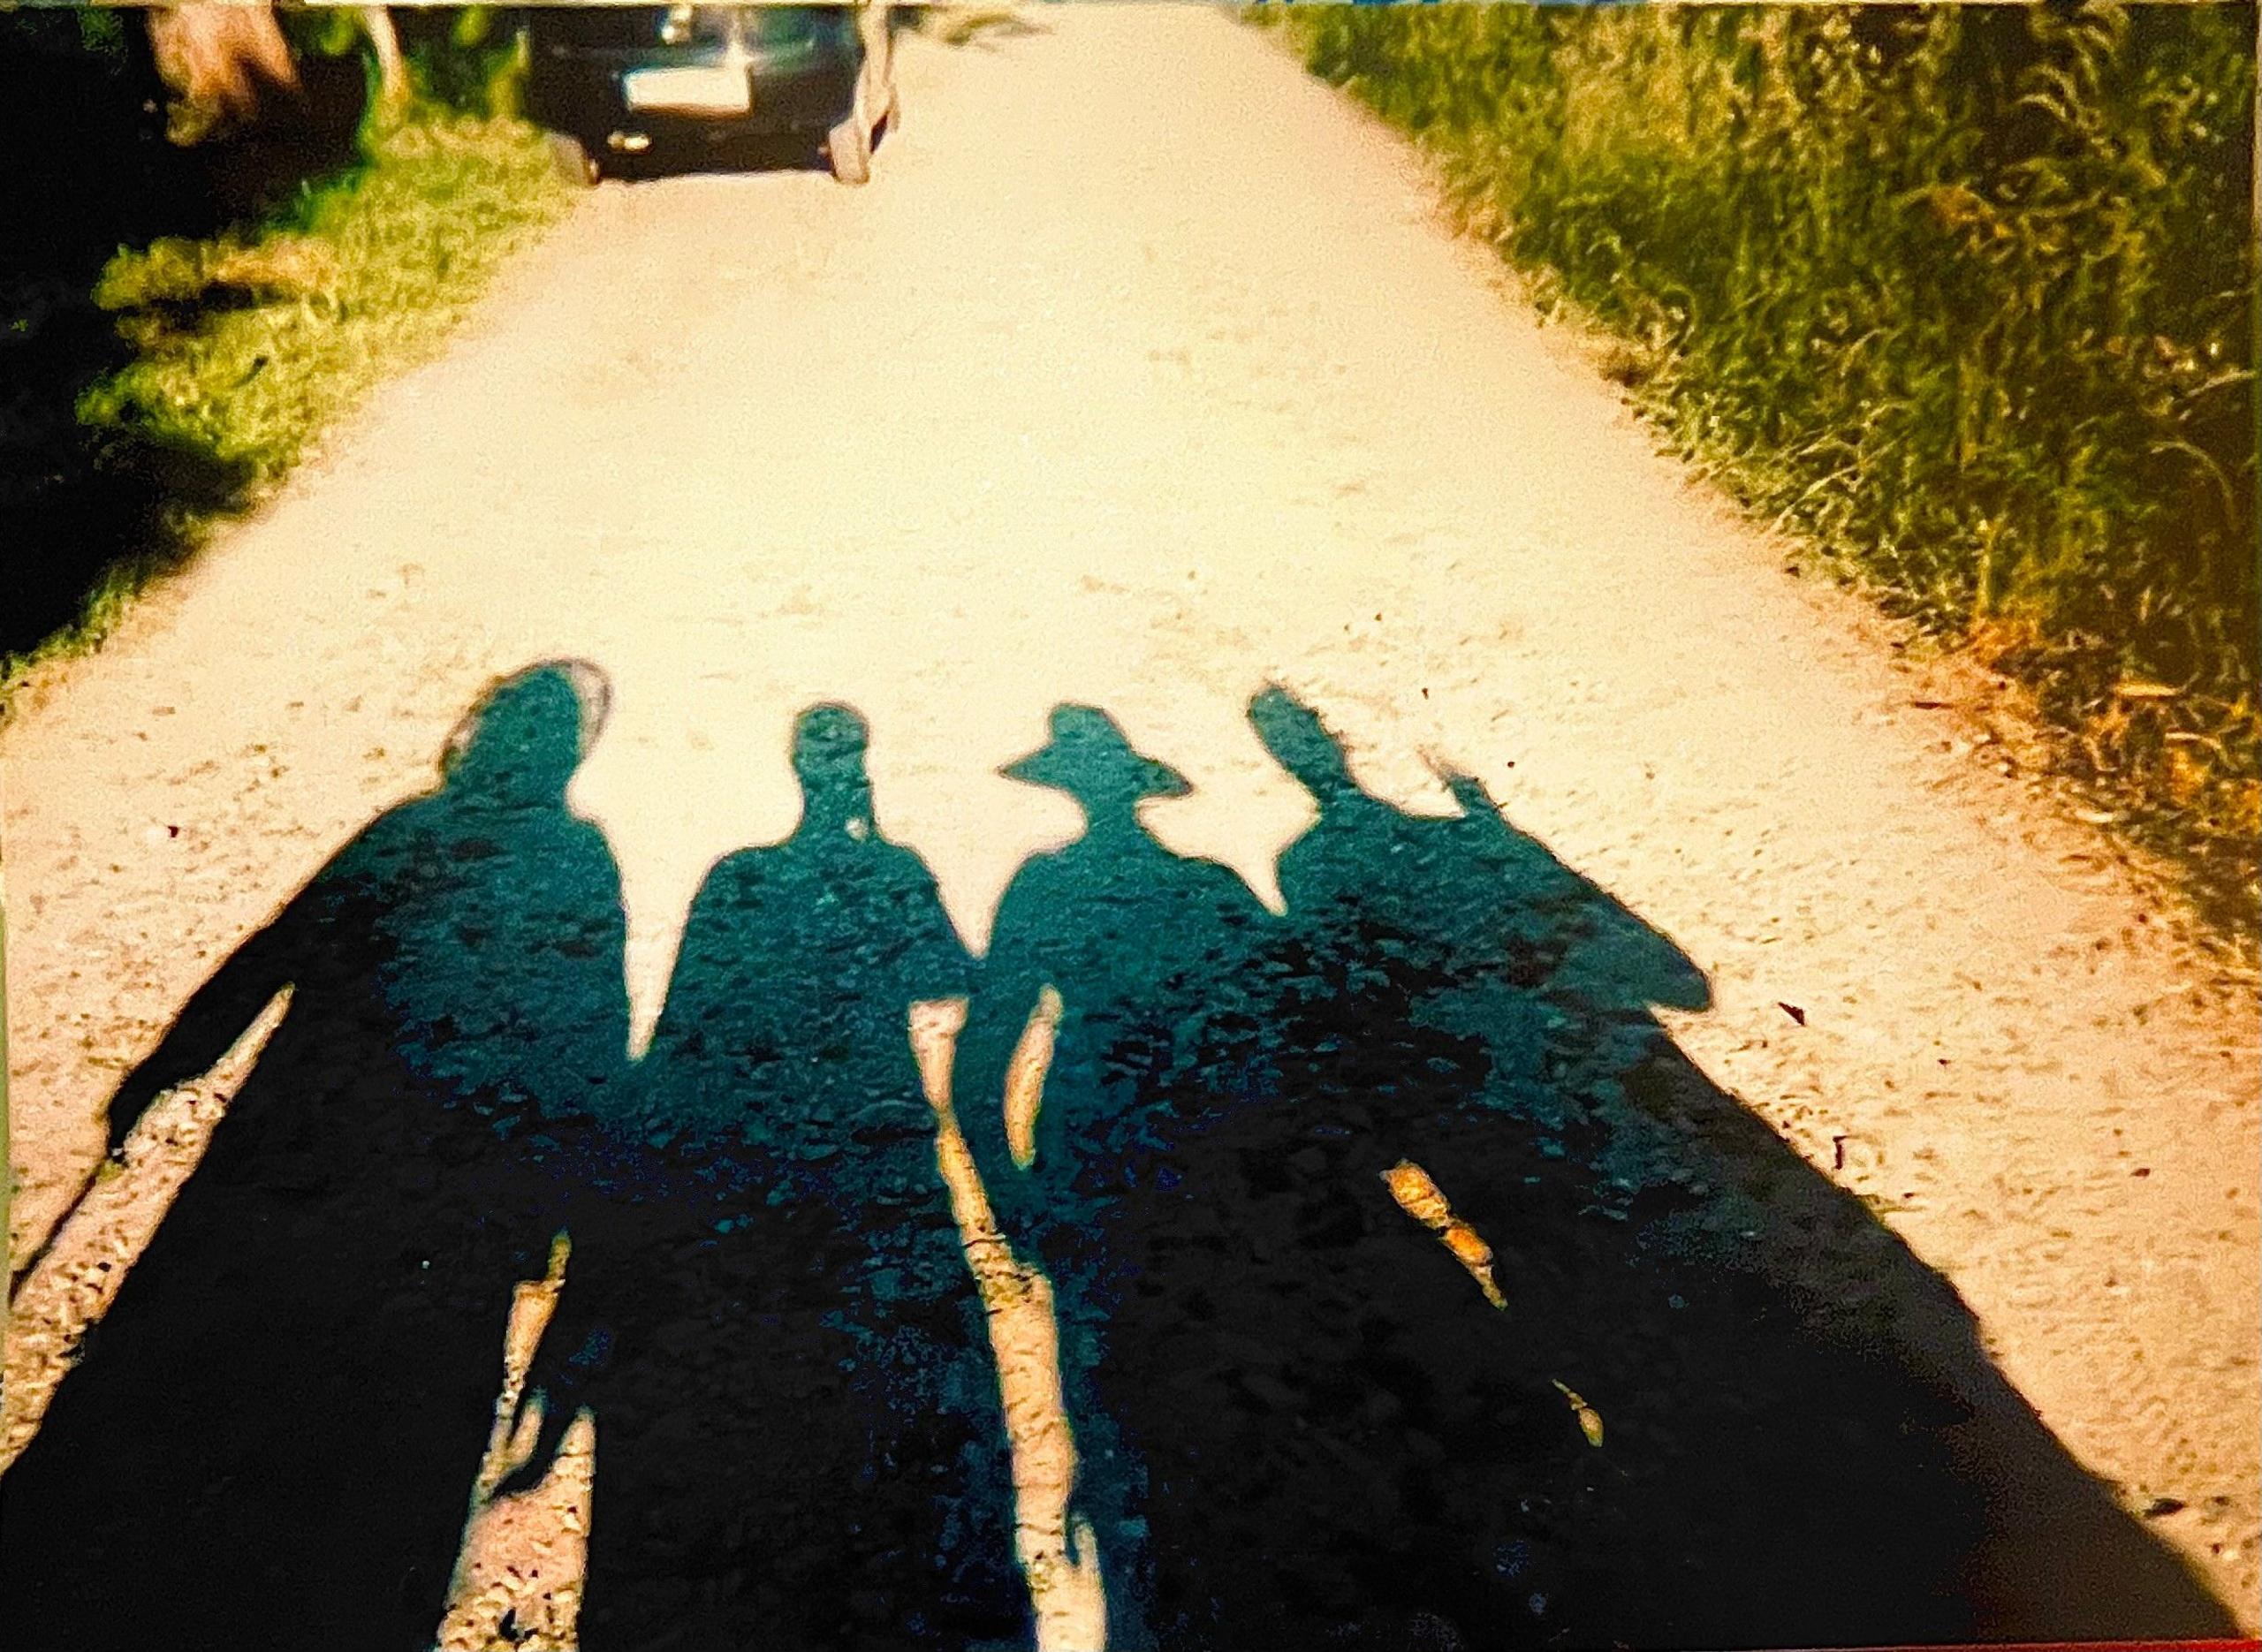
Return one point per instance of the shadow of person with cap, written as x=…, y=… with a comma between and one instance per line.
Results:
x=272, y=1435
x=799, y=1429
x=1143, y=947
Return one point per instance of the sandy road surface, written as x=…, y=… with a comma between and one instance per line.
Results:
x=1143, y=375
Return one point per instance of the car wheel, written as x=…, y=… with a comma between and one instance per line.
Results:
x=575, y=160
x=849, y=149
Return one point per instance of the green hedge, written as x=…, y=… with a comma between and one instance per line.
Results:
x=1965, y=292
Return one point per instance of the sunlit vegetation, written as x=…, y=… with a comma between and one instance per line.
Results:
x=1964, y=294
x=176, y=377
x=250, y=343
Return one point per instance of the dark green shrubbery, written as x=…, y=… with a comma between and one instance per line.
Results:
x=179, y=320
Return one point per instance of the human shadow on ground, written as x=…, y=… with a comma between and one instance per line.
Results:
x=800, y=1440
x=1710, y=1400
x=271, y=1435
x=1136, y=940
x=1718, y=1403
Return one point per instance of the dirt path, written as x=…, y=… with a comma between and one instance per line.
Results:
x=1143, y=374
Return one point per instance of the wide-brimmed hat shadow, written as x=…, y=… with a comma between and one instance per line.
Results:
x=1088, y=757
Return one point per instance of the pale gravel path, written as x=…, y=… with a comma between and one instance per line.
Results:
x=1141, y=373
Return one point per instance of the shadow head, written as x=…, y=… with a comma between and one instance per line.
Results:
x=829, y=744
x=522, y=743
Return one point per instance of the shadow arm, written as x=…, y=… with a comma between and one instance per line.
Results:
x=215, y=1017
x=1004, y=1058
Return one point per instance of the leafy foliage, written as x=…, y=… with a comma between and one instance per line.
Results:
x=179, y=319
x=465, y=60
x=250, y=343
x=239, y=348
x=1966, y=293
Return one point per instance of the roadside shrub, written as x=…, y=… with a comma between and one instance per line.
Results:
x=249, y=344
x=206, y=363
x=1965, y=293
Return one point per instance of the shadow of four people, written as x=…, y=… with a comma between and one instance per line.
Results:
x=1298, y=1420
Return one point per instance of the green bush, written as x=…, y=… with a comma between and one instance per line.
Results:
x=243, y=347
x=463, y=60
x=1966, y=293
x=248, y=345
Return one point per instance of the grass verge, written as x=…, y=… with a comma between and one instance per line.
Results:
x=1965, y=296
x=240, y=348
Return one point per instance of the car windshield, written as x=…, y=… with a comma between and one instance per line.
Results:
x=787, y=24
x=627, y=27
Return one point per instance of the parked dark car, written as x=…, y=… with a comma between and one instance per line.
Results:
x=612, y=80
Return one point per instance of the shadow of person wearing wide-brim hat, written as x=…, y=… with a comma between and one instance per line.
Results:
x=1144, y=949
x=1137, y=940
x=273, y=1434
x=1785, y=1430
x=799, y=1431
